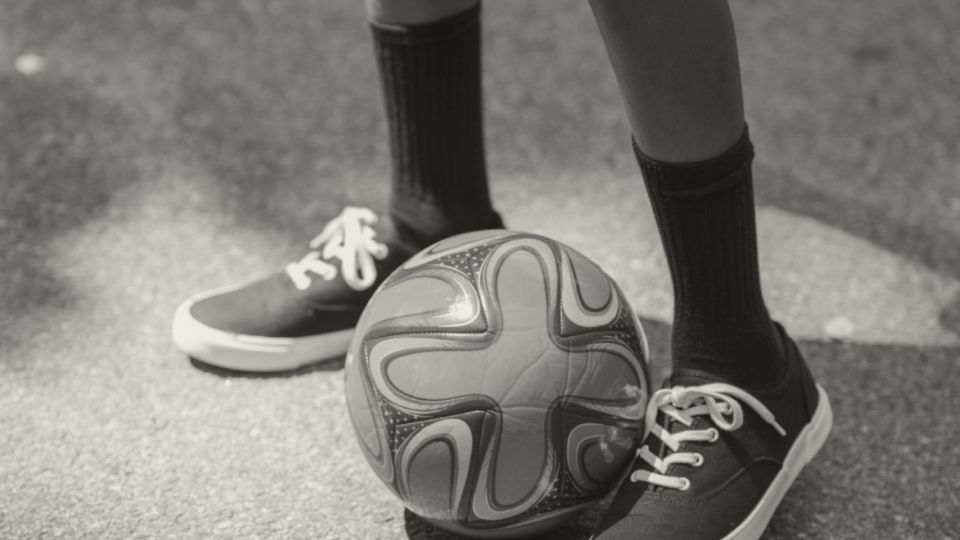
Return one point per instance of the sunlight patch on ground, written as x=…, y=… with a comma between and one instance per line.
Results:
x=821, y=282
x=825, y=282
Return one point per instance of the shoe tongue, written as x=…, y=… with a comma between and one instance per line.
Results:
x=690, y=377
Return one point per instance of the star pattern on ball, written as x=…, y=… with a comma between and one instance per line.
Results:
x=520, y=365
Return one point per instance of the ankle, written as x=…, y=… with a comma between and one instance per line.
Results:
x=426, y=224
x=751, y=356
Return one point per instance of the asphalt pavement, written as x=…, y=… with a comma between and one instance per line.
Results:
x=152, y=149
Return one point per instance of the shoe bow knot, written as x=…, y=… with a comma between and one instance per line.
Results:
x=348, y=237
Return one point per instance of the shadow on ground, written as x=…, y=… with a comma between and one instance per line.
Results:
x=329, y=364
x=65, y=153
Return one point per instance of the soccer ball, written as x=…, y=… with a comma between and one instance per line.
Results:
x=497, y=383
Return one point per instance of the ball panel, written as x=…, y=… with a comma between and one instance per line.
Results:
x=426, y=370
x=367, y=420
x=596, y=450
x=579, y=441
x=521, y=455
x=577, y=316
x=484, y=506
x=432, y=299
x=593, y=287
x=607, y=373
x=417, y=299
x=430, y=478
x=435, y=465
x=604, y=459
x=522, y=291
x=422, y=374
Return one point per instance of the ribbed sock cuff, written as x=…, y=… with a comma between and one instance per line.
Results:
x=698, y=177
x=423, y=34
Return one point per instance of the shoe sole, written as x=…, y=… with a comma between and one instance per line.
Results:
x=257, y=354
x=806, y=446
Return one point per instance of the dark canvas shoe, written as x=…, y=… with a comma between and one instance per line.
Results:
x=717, y=459
x=304, y=314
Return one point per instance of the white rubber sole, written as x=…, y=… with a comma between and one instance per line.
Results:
x=806, y=446
x=252, y=353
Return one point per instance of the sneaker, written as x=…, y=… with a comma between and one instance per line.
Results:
x=717, y=459
x=301, y=315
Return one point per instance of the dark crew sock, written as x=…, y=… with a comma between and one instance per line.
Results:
x=705, y=214
x=430, y=75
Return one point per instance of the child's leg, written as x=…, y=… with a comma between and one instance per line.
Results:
x=428, y=53
x=679, y=72
x=740, y=415
x=677, y=65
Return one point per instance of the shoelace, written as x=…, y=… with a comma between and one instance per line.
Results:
x=349, y=238
x=682, y=403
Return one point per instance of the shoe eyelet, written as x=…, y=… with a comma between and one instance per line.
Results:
x=714, y=435
x=685, y=484
x=698, y=460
